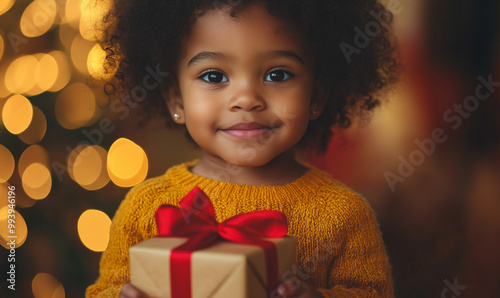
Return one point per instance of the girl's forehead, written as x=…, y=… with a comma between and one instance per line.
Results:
x=252, y=28
x=254, y=14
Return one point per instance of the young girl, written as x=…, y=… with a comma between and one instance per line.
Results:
x=252, y=81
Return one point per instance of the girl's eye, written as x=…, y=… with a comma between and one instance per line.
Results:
x=278, y=76
x=214, y=77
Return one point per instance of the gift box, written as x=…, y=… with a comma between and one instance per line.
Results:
x=196, y=256
x=225, y=269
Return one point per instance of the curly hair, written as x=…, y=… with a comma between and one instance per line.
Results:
x=350, y=71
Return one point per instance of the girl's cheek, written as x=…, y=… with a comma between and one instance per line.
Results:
x=202, y=108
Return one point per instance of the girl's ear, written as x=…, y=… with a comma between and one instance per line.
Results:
x=318, y=99
x=173, y=99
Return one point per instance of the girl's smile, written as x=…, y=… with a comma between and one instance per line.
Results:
x=244, y=90
x=248, y=130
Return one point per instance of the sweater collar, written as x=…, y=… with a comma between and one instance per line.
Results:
x=304, y=187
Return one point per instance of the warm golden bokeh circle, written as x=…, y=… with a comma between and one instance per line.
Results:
x=22, y=74
x=127, y=163
x=37, y=181
x=72, y=158
x=87, y=165
x=95, y=62
x=5, y=5
x=93, y=229
x=64, y=71
x=73, y=13
x=92, y=14
x=2, y=46
x=38, y=17
x=46, y=285
x=8, y=164
x=48, y=72
x=80, y=49
x=20, y=231
x=37, y=128
x=17, y=114
x=75, y=106
x=32, y=154
x=89, y=168
x=4, y=92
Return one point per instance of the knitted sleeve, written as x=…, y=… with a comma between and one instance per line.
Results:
x=362, y=268
x=114, y=264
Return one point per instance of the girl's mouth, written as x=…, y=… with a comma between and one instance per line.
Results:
x=248, y=130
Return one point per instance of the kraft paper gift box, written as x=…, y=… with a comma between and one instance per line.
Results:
x=225, y=269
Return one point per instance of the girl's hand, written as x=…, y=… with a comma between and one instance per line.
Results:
x=302, y=290
x=129, y=291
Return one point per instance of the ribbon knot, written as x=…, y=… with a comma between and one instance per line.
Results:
x=195, y=219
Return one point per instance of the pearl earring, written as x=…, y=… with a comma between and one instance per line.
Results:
x=176, y=116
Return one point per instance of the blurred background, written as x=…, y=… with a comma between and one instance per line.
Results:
x=428, y=161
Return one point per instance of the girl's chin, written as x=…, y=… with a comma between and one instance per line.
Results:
x=247, y=163
x=249, y=157
x=255, y=160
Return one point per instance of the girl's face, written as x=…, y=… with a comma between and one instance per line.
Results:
x=245, y=86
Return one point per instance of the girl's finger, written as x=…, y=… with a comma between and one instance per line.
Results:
x=290, y=289
x=129, y=291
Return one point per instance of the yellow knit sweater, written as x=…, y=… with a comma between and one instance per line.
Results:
x=339, y=248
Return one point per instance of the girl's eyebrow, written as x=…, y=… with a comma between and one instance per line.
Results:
x=219, y=56
x=206, y=56
x=285, y=54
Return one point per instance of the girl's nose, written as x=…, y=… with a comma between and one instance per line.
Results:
x=247, y=98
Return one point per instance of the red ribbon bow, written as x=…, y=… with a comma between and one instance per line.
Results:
x=195, y=219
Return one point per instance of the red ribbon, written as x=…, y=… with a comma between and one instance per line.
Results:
x=195, y=219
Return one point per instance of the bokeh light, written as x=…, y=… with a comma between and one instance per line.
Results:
x=59, y=292
x=2, y=103
x=73, y=12
x=22, y=74
x=32, y=154
x=71, y=159
x=89, y=168
x=20, y=231
x=61, y=13
x=48, y=69
x=93, y=229
x=4, y=92
x=2, y=46
x=8, y=163
x=45, y=285
x=37, y=128
x=17, y=114
x=127, y=163
x=80, y=49
x=37, y=76
x=96, y=61
x=5, y=5
x=64, y=71
x=49, y=72
x=37, y=181
x=92, y=13
x=75, y=106
x=38, y=17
